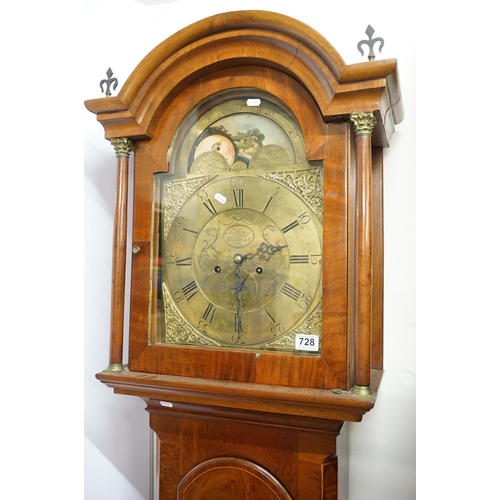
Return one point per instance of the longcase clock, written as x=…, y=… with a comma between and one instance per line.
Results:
x=257, y=252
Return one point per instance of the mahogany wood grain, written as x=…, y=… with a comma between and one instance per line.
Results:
x=264, y=399
x=336, y=336
x=229, y=478
x=119, y=263
x=363, y=267
x=296, y=461
x=378, y=259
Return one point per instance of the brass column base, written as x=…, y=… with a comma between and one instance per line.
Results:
x=115, y=368
x=361, y=390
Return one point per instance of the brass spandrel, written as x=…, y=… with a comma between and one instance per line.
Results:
x=308, y=184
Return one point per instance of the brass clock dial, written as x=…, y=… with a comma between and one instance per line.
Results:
x=240, y=235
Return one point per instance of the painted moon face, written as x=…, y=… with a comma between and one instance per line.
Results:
x=218, y=144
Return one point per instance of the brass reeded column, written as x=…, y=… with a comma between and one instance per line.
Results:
x=123, y=147
x=364, y=123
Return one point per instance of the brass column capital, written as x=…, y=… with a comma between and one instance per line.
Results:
x=364, y=122
x=123, y=146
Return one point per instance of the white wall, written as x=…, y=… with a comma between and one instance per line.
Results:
x=381, y=449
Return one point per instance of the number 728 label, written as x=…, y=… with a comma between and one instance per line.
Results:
x=306, y=342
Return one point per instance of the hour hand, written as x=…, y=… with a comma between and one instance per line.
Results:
x=266, y=250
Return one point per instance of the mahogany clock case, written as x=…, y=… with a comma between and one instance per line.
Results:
x=335, y=120
x=236, y=379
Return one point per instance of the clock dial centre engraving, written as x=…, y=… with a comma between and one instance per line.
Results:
x=248, y=278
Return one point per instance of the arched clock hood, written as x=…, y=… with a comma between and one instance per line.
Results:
x=249, y=38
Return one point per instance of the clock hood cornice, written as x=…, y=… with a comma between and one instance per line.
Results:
x=255, y=38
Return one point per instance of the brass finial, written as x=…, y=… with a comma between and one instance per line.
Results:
x=110, y=81
x=371, y=43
